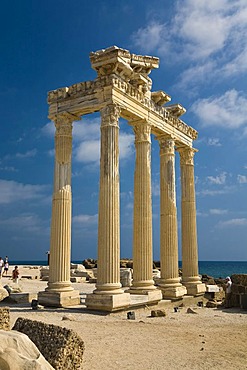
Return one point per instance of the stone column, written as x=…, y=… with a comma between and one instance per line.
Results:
x=59, y=291
x=142, y=222
x=170, y=281
x=189, y=232
x=109, y=294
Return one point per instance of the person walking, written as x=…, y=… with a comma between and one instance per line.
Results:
x=6, y=265
x=1, y=266
x=228, y=292
x=15, y=275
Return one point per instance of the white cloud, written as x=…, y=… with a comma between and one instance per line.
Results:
x=85, y=220
x=215, y=211
x=217, y=180
x=214, y=142
x=228, y=111
x=26, y=221
x=11, y=191
x=88, y=151
x=242, y=179
x=151, y=37
x=28, y=154
x=233, y=223
x=207, y=37
x=214, y=192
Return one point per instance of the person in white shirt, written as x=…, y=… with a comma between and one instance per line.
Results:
x=228, y=292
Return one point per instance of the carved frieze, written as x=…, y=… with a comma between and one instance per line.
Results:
x=128, y=73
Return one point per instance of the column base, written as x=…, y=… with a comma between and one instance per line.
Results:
x=107, y=302
x=59, y=299
x=195, y=289
x=142, y=287
x=173, y=292
x=152, y=296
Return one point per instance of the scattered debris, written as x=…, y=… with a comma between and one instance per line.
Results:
x=189, y=310
x=131, y=315
x=158, y=313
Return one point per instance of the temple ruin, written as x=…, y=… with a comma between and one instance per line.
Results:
x=122, y=88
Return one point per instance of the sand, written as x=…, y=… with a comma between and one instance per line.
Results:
x=210, y=339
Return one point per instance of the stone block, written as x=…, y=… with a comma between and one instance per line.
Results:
x=75, y=279
x=3, y=293
x=77, y=266
x=4, y=318
x=107, y=302
x=62, y=347
x=212, y=288
x=18, y=352
x=125, y=276
x=59, y=299
x=21, y=297
x=158, y=313
x=195, y=289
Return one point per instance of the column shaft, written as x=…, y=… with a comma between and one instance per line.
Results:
x=189, y=231
x=108, y=266
x=170, y=281
x=142, y=222
x=60, y=246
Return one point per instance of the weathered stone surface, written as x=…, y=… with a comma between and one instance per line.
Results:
x=18, y=352
x=3, y=293
x=212, y=288
x=62, y=347
x=158, y=313
x=4, y=318
x=213, y=304
x=21, y=297
x=189, y=310
x=239, y=279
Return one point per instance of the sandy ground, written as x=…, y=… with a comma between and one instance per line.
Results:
x=210, y=339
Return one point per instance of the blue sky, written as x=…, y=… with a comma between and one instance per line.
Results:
x=202, y=47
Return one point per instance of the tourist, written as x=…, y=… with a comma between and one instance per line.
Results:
x=1, y=266
x=6, y=265
x=228, y=292
x=15, y=275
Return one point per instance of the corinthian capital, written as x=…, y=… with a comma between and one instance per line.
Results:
x=166, y=145
x=63, y=136
x=110, y=115
x=187, y=155
x=142, y=132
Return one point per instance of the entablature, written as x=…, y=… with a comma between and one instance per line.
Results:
x=91, y=96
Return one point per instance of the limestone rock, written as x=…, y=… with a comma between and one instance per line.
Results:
x=189, y=310
x=18, y=352
x=158, y=313
x=62, y=347
x=4, y=318
x=3, y=294
x=212, y=304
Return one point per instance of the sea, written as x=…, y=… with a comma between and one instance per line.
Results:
x=217, y=269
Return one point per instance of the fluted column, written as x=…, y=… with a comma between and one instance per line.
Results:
x=142, y=222
x=108, y=265
x=60, y=244
x=170, y=281
x=189, y=231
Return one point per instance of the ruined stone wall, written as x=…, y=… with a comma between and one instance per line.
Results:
x=239, y=290
x=61, y=347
